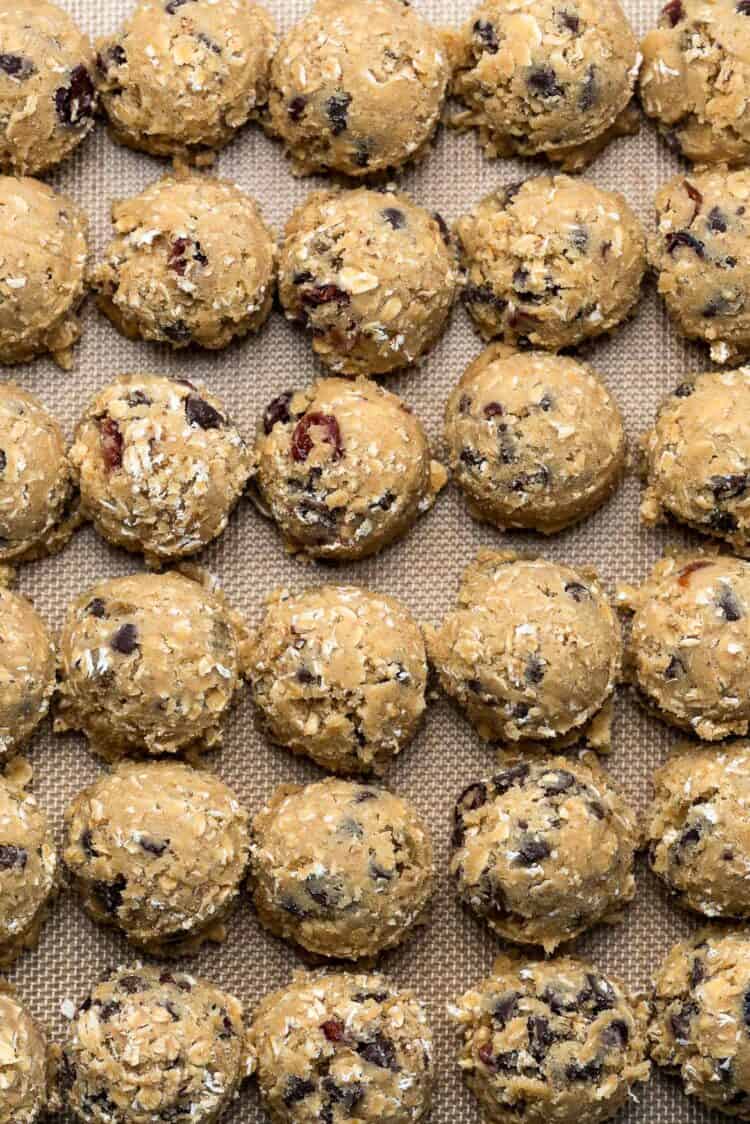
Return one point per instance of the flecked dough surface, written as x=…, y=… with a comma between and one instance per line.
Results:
x=532, y=652
x=28, y=871
x=544, y=850
x=553, y=1043
x=180, y=78
x=357, y=86
x=344, y=468
x=192, y=262
x=27, y=672
x=149, y=664
x=23, y=1062
x=342, y=869
x=536, y=441
x=371, y=275
x=340, y=1047
x=150, y=1044
x=159, y=464
x=339, y=674
x=551, y=262
x=158, y=850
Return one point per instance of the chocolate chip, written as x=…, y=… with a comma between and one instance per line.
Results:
x=570, y=21
x=515, y=775
x=528, y=481
x=87, y=844
x=394, y=218
x=487, y=36
x=112, y=443
x=306, y=677
x=107, y=1010
x=337, y=111
x=584, y=1071
x=559, y=780
x=227, y=1027
x=96, y=608
x=540, y=1035
x=722, y=522
x=473, y=797
x=110, y=893
x=542, y=80
x=297, y=107
x=743, y=7
x=589, y=94
x=362, y=153
x=302, y=442
x=675, y=669
x=173, y=5
x=443, y=227
x=719, y=305
x=680, y=1021
x=66, y=1076
x=596, y=809
x=13, y=857
x=323, y=890
x=684, y=390
x=677, y=238
x=386, y=501
x=76, y=101
x=277, y=411
x=379, y=872
x=505, y=1008
x=728, y=487
x=125, y=640
x=616, y=1036
x=178, y=332
x=199, y=412
x=153, y=846
x=578, y=591
x=673, y=11
x=131, y=984
x=600, y=993
x=471, y=457
x=482, y=294
x=114, y=56
x=289, y=905
x=364, y=795
x=535, y=669
x=296, y=1089
x=324, y=294
x=579, y=237
x=370, y=996
x=16, y=66
x=333, y=1030
x=729, y=604
x=697, y=972
x=717, y=220
x=378, y=1051
x=532, y=851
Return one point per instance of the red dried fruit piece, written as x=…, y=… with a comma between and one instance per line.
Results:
x=333, y=1030
x=486, y=1056
x=695, y=195
x=302, y=442
x=181, y=251
x=112, y=443
x=683, y=578
x=493, y=410
x=673, y=11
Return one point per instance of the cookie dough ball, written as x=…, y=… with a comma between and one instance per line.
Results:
x=544, y=850
x=536, y=441
x=23, y=1062
x=42, y=263
x=150, y=1045
x=371, y=275
x=538, y=79
x=532, y=652
x=344, y=468
x=337, y=1047
x=28, y=871
x=553, y=1041
x=27, y=672
x=690, y=642
x=357, y=87
x=159, y=850
x=551, y=262
x=160, y=466
x=340, y=869
x=179, y=78
x=339, y=674
x=47, y=98
x=192, y=263
x=149, y=664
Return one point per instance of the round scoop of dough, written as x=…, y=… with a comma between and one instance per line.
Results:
x=192, y=262
x=357, y=86
x=371, y=275
x=341, y=869
x=344, y=468
x=536, y=441
x=531, y=652
x=149, y=1045
x=180, y=78
x=339, y=1047
x=540, y=78
x=47, y=98
x=28, y=870
x=544, y=850
x=27, y=672
x=160, y=465
x=158, y=850
x=339, y=675
x=149, y=664
x=555, y=1041
x=23, y=1062
x=43, y=258
x=551, y=262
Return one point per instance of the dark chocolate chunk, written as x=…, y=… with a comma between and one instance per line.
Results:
x=717, y=220
x=535, y=669
x=677, y=238
x=110, y=893
x=297, y=107
x=337, y=111
x=729, y=487
x=532, y=851
x=675, y=669
x=378, y=1051
x=277, y=411
x=96, y=608
x=13, y=857
x=487, y=36
x=680, y=1021
x=16, y=66
x=76, y=102
x=296, y=1089
x=616, y=1036
x=131, y=984
x=589, y=94
x=542, y=80
x=505, y=1008
x=729, y=604
x=125, y=640
x=570, y=21
x=201, y=413
x=557, y=781
x=684, y=390
x=578, y=591
x=154, y=846
x=87, y=844
x=540, y=1035
x=394, y=218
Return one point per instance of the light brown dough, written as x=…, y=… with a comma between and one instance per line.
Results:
x=23, y=1062
x=28, y=871
x=27, y=672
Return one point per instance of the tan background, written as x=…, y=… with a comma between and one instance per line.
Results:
x=641, y=363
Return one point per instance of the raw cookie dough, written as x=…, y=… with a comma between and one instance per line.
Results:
x=47, y=98
x=342, y=869
x=28, y=870
x=540, y=79
x=690, y=641
x=339, y=1047
x=535, y=440
x=544, y=850
x=23, y=1062
x=159, y=464
x=193, y=262
x=357, y=86
x=551, y=1043
x=150, y=1045
x=149, y=664
x=532, y=652
x=551, y=262
x=160, y=851
x=371, y=275
x=701, y=1024
x=180, y=78
x=27, y=672
x=42, y=264
x=701, y=253
x=339, y=675
x=344, y=468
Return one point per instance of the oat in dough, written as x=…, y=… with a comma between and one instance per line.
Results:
x=181, y=78
x=357, y=86
x=47, y=98
x=532, y=653
x=336, y=1047
x=344, y=468
x=150, y=1044
x=27, y=672
x=371, y=275
x=538, y=78
x=339, y=675
x=158, y=850
x=159, y=464
x=535, y=440
x=552, y=1043
x=192, y=263
x=341, y=869
x=23, y=1062
x=551, y=262
x=28, y=870
x=149, y=664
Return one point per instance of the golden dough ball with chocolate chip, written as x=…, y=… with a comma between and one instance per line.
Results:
x=23, y=1049
x=27, y=672
x=28, y=871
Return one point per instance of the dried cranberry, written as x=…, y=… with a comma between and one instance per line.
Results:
x=112, y=443
x=277, y=411
x=201, y=413
x=487, y=36
x=333, y=1030
x=16, y=66
x=296, y=107
x=486, y=1056
x=337, y=111
x=679, y=238
x=683, y=578
x=542, y=80
x=324, y=294
x=12, y=856
x=180, y=253
x=125, y=640
x=302, y=442
x=493, y=410
x=76, y=101
x=673, y=11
